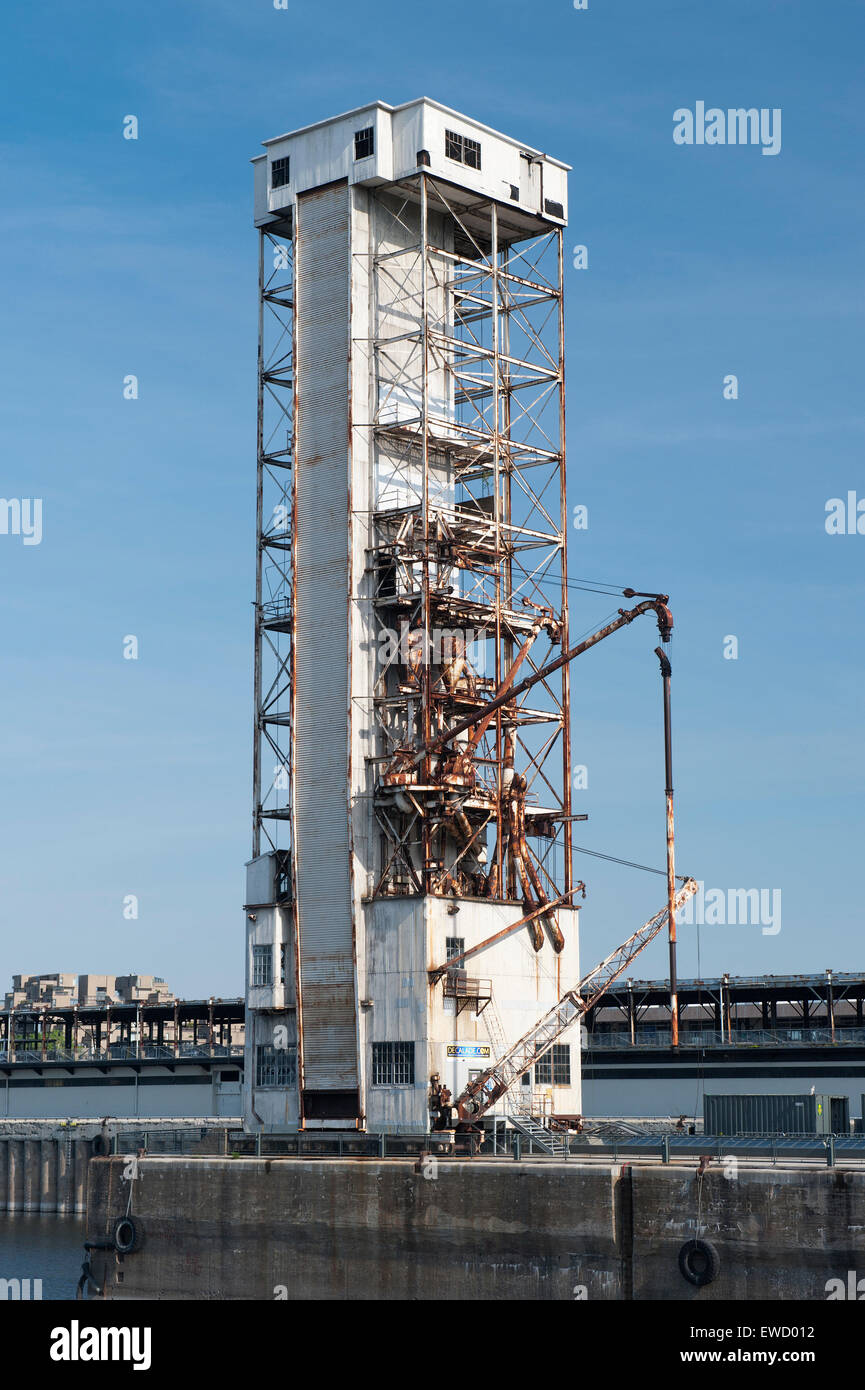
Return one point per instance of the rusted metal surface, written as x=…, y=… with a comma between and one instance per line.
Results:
x=456, y=420
x=666, y=672
x=436, y=973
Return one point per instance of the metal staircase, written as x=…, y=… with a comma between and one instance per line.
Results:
x=519, y=1107
x=536, y=1130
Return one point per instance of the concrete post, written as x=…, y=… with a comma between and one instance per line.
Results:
x=65, y=1163
x=79, y=1174
x=48, y=1156
x=32, y=1174
x=16, y=1175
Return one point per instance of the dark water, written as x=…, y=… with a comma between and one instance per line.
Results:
x=50, y=1248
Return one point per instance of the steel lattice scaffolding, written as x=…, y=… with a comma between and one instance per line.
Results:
x=274, y=619
x=468, y=545
x=469, y=551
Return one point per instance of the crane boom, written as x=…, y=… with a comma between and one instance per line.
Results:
x=491, y=1085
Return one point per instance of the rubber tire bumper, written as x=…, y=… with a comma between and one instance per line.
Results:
x=127, y=1235
x=100, y=1146
x=699, y=1262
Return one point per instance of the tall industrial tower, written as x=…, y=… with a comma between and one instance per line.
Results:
x=412, y=524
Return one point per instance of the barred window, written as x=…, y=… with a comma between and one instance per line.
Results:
x=393, y=1064
x=471, y=153
x=555, y=1068
x=279, y=173
x=463, y=149
x=454, y=946
x=275, y=1066
x=262, y=965
x=454, y=145
x=364, y=143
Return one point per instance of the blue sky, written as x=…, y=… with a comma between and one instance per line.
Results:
x=119, y=257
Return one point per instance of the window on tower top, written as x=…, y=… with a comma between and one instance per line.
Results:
x=463, y=149
x=279, y=173
x=364, y=143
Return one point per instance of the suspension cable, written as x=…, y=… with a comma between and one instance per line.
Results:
x=629, y=863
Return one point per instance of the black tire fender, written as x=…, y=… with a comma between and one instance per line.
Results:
x=699, y=1262
x=128, y=1236
x=100, y=1146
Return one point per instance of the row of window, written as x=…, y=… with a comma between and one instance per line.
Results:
x=364, y=147
x=460, y=148
x=393, y=1065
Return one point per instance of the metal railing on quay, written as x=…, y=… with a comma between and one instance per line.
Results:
x=720, y=1153
x=740, y=1037
x=122, y=1052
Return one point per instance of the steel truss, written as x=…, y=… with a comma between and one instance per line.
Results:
x=274, y=616
x=469, y=554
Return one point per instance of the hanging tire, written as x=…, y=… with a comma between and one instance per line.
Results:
x=699, y=1262
x=100, y=1146
x=127, y=1235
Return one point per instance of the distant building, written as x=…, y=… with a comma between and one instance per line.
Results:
x=64, y=990
x=58, y=991
x=96, y=989
x=148, y=989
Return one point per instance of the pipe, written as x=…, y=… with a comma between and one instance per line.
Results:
x=437, y=971
x=666, y=672
x=658, y=604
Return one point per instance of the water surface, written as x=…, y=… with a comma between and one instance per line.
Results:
x=50, y=1248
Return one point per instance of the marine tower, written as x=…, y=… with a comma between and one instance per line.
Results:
x=411, y=566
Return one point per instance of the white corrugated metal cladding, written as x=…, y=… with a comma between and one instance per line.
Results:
x=329, y=1042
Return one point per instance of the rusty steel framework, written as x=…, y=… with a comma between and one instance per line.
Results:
x=469, y=554
x=273, y=587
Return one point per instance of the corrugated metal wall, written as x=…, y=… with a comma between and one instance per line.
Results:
x=771, y=1114
x=329, y=1032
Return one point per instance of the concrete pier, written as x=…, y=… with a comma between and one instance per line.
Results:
x=369, y=1229
x=15, y=1189
x=43, y=1163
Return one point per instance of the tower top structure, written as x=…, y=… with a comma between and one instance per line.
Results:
x=379, y=144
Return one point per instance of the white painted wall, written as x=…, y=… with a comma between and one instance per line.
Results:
x=406, y=938
x=324, y=152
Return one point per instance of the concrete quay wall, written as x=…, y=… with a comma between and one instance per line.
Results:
x=43, y=1163
x=221, y=1228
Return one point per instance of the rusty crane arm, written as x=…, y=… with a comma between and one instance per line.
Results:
x=491, y=1085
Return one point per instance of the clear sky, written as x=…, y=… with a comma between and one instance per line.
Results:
x=133, y=777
